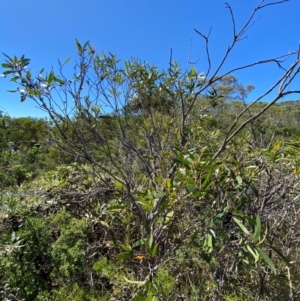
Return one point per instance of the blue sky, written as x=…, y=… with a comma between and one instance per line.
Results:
x=45, y=30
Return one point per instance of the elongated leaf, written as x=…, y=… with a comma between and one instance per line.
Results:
x=5, y=65
x=210, y=242
x=126, y=248
x=159, y=195
x=240, y=224
x=14, y=79
x=254, y=252
x=58, y=80
x=85, y=44
x=140, y=242
x=9, y=58
x=147, y=227
x=116, y=208
x=28, y=75
x=154, y=251
x=207, y=179
x=25, y=61
x=50, y=78
x=250, y=220
x=125, y=255
x=79, y=47
x=8, y=72
x=256, y=236
x=150, y=242
x=255, y=191
x=267, y=259
x=139, y=283
x=66, y=61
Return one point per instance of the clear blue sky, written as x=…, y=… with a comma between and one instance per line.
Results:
x=45, y=30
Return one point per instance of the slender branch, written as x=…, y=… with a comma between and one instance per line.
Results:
x=232, y=19
x=206, y=38
x=272, y=3
x=280, y=94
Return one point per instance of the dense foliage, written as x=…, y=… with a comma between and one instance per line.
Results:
x=148, y=184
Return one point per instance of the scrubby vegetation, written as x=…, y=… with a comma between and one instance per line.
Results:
x=149, y=185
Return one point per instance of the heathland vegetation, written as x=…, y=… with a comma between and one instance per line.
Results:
x=148, y=184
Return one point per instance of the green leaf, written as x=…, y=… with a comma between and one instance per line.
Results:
x=245, y=260
x=140, y=242
x=116, y=208
x=50, y=78
x=25, y=61
x=211, y=240
x=8, y=57
x=182, y=171
x=250, y=220
x=97, y=266
x=25, y=81
x=86, y=43
x=125, y=255
x=169, y=216
x=28, y=74
x=126, y=248
x=58, y=80
x=169, y=183
x=147, y=227
x=8, y=72
x=205, y=256
x=118, y=79
x=5, y=65
x=14, y=79
x=154, y=251
x=255, y=191
x=254, y=252
x=239, y=180
x=159, y=195
x=139, y=283
x=256, y=236
x=79, y=47
x=33, y=92
x=150, y=241
x=105, y=224
x=267, y=259
x=240, y=224
x=67, y=60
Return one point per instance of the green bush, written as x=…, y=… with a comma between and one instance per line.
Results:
x=50, y=256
